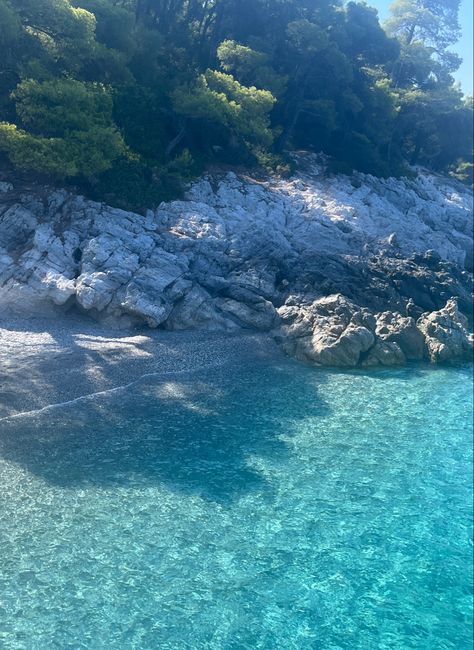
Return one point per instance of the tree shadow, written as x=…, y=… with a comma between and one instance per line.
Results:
x=200, y=433
x=50, y=364
x=34, y=371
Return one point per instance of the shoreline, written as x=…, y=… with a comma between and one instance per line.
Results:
x=46, y=363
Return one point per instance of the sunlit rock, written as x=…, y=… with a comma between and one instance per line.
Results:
x=337, y=268
x=446, y=335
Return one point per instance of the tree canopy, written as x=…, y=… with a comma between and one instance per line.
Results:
x=124, y=98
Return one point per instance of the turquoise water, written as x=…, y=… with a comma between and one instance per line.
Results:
x=272, y=506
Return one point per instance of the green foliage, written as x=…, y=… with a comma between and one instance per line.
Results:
x=69, y=125
x=10, y=44
x=56, y=20
x=114, y=24
x=250, y=67
x=80, y=153
x=183, y=165
x=306, y=37
x=425, y=28
x=26, y=151
x=131, y=184
x=63, y=33
x=432, y=126
x=240, y=59
x=61, y=105
x=217, y=97
x=129, y=97
x=272, y=162
x=464, y=172
x=10, y=26
x=434, y=22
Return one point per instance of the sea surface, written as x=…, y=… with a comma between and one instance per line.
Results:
x=264, y=506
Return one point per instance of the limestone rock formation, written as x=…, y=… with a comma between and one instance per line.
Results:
x=339, y=268
x=445, y=333
x=392, y=327
x=331, y=331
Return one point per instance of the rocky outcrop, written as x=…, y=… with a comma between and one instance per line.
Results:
x=333, y=331
x=345, y=271
x=445, y=333
x=392, y=329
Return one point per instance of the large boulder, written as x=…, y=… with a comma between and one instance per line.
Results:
x=195, y=310
x=330, y=331
x=384, y=353
x=446, y=335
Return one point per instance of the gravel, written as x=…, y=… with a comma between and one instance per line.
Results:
x=46, y=362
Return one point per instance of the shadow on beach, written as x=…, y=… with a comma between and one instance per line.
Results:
x=196, y=431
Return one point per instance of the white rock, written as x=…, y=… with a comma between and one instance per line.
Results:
x=445, y=333
x=233, y=251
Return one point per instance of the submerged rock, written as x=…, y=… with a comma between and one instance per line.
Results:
x=344, y=271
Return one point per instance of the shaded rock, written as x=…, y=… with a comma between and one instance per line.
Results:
x=95, y=290
x=16, y=225
x=384, y=353
x=392, y=327
x=197, y=310
x=260, y=315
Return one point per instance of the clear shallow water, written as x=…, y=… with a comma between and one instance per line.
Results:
x=273, y=506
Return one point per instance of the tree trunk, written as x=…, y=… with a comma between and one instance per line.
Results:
x=175, y=141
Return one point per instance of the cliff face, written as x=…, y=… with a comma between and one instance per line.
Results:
x=343, y=270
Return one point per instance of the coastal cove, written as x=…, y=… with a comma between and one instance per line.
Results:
x=242, y=420
x=213, y=493
x=236, y=325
